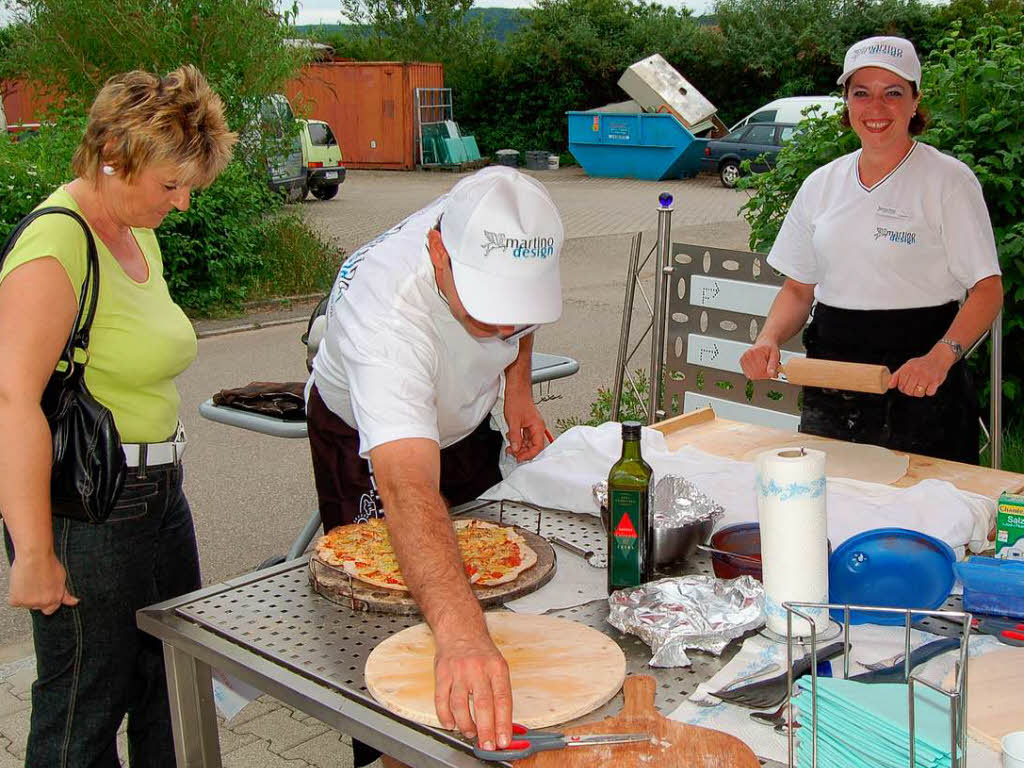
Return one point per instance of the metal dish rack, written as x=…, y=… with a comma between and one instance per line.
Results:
x=958, y=621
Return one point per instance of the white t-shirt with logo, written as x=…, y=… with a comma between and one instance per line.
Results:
x=920, y=237
x=394, y=363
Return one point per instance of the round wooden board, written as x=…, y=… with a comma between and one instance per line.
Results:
x=560, y=669
x=857, y=461
x=336, y=585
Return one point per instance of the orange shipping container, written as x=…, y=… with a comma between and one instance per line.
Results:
x=370, y=106
x=23, y=102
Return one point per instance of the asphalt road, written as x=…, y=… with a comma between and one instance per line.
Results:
x=251, y=493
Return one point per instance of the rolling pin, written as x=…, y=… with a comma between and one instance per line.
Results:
x=831, y=374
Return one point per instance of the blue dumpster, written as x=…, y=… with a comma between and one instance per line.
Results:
x=634, y=146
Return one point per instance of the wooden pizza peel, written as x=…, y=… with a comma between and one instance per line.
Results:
x=672, y=744
x=560, y=669
x=337, y=586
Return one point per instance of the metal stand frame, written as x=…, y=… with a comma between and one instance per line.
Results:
x=659, y=317
x=433, y=105
x=995, y=395
x=957, y=697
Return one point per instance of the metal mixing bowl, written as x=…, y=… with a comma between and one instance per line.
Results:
x=672, y=545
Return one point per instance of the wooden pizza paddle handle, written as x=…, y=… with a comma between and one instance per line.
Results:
x=638, y=691
x=831, y=374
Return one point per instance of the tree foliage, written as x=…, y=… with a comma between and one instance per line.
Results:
x=570, y=53
x=73, y=46
x=214, y=251
x=973, y=85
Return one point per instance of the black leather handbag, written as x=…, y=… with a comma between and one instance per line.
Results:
x=89, y=467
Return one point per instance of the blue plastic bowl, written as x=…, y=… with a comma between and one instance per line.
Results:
x=890, y=568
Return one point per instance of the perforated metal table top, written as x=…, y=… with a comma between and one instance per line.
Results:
x=277, y=617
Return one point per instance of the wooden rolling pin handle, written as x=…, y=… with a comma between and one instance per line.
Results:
x=638, y=691
x=831, y=374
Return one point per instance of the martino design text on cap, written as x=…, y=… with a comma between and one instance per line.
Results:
x=504, y=236
x=890, y=53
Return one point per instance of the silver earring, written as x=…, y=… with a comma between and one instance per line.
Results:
x=108, y=170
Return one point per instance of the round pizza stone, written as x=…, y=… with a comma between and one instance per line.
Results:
x=857, y=461
x=560, y=669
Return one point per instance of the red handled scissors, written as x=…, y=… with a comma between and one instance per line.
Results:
x=525, y=742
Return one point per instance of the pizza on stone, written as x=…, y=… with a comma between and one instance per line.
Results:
x=491, y=554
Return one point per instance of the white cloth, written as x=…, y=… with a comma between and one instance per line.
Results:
x=564, y=474
x=920, y=237
x=394, y=363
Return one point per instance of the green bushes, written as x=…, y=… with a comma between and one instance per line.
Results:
x=34, y=167
x=235, y=240
x=973, y=85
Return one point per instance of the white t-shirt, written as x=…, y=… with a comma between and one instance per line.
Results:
x=918, y=238
x=394, y=363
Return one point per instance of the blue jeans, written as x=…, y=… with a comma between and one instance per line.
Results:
x=94, y=665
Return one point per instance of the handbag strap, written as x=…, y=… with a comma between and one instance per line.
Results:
x=79, y=336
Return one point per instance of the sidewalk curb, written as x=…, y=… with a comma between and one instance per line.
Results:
x=254, y=326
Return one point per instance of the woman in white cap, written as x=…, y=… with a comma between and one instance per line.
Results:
x=893, y=247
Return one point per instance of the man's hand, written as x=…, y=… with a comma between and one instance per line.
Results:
x=922, y=376
x=39, y=583
x=470, y=669
x=760, y=361
x=525, y=427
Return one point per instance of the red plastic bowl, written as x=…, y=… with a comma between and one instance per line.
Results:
x=743, y=539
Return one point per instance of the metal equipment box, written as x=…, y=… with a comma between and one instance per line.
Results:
x=658, y=87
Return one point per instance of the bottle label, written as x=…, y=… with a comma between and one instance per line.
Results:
x=624, y=561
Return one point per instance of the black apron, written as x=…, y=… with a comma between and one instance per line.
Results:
x=944, y=425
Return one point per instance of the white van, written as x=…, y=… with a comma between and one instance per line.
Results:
x=790, y=109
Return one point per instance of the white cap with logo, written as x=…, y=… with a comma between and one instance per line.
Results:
x=892, y=53
x=504, y=236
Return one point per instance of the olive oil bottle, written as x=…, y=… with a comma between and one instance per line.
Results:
x=630, y=535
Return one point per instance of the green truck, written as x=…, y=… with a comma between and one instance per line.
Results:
x=321, y=157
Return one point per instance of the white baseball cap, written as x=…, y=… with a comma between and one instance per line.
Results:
x=892, y=53
x=504, y=236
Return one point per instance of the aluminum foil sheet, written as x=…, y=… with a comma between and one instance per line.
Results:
x=698, y=612
x=677, y=502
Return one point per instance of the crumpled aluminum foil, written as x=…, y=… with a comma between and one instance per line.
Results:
x=677, y=502
x=699, y=612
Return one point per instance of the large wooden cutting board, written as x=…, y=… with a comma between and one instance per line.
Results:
x=560, y=669
x=672, y=744
x=337, y=586
x=994, y=684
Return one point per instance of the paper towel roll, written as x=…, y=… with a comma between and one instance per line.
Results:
x=794, y=535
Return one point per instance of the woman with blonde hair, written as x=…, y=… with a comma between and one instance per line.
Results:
x=149, y=141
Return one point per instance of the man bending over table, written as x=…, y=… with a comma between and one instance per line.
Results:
x=422, y=324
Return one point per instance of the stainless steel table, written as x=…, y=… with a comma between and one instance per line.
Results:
x=270, y=629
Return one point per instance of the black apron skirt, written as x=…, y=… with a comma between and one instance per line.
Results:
x=944, y=425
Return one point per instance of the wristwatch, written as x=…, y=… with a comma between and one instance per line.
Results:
x=958, y=351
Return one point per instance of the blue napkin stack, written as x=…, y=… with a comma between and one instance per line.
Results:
x=863, y=725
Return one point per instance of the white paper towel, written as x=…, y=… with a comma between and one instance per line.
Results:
x=794, y=534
